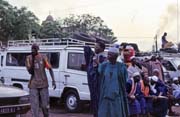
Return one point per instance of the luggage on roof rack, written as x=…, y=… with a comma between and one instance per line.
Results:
x=169, y=50
x=89, y=38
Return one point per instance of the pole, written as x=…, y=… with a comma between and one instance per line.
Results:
x=177, y=22
x=156, y=45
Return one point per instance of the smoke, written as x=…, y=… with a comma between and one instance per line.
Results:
x=167, y=19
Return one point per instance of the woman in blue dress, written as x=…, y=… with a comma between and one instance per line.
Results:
x=113, y=97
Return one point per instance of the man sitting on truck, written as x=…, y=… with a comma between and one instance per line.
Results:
x=164, y=41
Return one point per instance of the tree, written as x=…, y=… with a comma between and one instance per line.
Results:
x=81, y=23
x=25, y=23
x=16, y=23
x=22, y=24
x=88, y=24
x=50, y=28
x=6, y=18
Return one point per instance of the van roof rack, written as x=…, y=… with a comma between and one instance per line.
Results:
x=2, y=47
x=166, y=54
x=68, y=42
x=49, y=42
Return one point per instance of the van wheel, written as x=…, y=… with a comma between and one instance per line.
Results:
x=72, y=101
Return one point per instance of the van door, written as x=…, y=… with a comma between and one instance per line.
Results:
x=75, y=79
x=54, y=57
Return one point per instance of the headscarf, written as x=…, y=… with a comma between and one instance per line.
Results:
x=113, y=50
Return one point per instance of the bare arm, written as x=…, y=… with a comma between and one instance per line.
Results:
x=48, y=66
x=52, y=74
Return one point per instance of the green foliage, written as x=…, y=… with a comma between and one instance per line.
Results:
x=50, y=29
x=81, y=23
x=89, y=24
x=16, y=23
x=20, y=24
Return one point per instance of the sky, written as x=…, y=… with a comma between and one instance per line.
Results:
x=135, y=21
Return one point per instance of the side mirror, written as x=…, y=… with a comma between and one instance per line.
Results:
x=178, y=67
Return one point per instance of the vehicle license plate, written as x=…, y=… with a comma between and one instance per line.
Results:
x=11, y=109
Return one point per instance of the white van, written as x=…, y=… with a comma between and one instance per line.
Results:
x=66, y=57
x=170, y=65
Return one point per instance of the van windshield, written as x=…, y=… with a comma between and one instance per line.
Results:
x=177, y=62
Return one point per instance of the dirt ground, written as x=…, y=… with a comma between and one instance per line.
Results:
x=57, y=110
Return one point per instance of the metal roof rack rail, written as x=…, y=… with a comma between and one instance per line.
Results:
x=49, y=42
x=2, y=47
x=68, y=42
x=167, y=54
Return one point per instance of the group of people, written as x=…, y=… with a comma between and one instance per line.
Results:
x=122, y=86
x=107, y=82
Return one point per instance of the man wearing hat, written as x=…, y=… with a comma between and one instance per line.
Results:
x=157, y=88
x=160, y=101
x=38, y=84
x=113, y=75
x=176, y=88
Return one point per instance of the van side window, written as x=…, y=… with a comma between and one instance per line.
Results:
x=53, y=58
x=16, y=59
x=75, y=60
x=168, y=65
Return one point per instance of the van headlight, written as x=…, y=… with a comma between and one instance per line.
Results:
x=24, y=99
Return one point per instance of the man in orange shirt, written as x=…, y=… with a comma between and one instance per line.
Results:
x=38, y=84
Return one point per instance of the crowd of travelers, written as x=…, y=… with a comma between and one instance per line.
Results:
x=123, y=85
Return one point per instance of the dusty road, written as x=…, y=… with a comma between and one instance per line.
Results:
x=57, y=110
